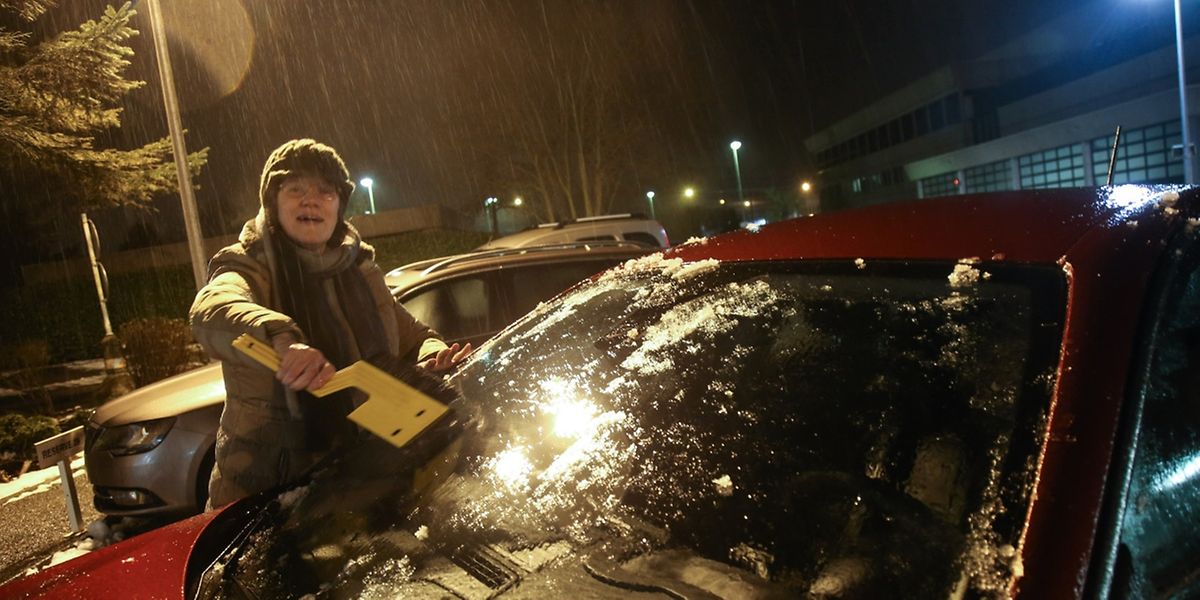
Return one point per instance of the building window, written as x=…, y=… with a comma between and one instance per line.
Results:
x=939, y=185
x=1055, y=168
x=1144, y=156
x=992, y=177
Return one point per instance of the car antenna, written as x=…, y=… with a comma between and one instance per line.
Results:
x=1112, y=159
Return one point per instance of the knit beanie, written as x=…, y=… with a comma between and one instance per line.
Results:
x=300, y=157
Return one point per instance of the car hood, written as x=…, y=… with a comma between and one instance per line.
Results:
x=150, y=565
x=172, y=396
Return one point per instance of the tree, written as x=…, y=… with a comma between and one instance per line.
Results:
x=57, y=97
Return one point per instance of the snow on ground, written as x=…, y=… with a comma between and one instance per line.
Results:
x=35, y=482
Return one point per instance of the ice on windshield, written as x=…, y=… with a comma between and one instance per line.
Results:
x=828, y=422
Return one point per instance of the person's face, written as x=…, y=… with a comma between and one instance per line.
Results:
x=308, y=210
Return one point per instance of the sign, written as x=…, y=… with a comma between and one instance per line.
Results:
x=60, y=447
x=59, y=450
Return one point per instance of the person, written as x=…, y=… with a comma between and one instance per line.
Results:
x=300, y=277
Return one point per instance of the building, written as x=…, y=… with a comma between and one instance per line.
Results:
x=1040, y=112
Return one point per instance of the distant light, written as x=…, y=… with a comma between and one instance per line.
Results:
x=490, y=201
x=746, y=204
x=518, y=201
x=650, y=194
x=722, y=201
x=956, y=182
x=735, y=145
x=805, y=186
x=367, y=182
x=689, y=192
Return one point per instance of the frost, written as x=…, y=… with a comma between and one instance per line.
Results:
x=724, y=485
x=827, y=288
x=965, y=274
x=709, y=315
x=1170, y=211
x=1192, y=224
x=1132, y=223
x=696, y=240
x=693, y=269
x=289, y=498
x=1168, y=199
x=860, y=263
x=422, y=533
x=632, y=333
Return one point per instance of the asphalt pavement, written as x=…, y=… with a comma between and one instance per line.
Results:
x=33, y=528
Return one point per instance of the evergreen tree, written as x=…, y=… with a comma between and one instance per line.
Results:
x=56, y=97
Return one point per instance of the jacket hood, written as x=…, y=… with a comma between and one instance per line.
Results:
x=307, y=157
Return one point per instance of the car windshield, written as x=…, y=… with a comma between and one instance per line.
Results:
x=740, y=429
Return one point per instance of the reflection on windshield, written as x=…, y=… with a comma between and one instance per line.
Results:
x=736, y=430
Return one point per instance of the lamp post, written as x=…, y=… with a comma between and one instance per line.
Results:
x=650, y=199
x=369, y=183
x=489, y=205
x=187, y=197
x=1189, y=155
x=737, y=169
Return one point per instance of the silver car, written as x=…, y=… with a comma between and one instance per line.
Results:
x=150, y=452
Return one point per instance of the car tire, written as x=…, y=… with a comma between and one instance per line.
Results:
x=202, y=477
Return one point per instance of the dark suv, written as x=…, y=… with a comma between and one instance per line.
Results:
x=150, y=452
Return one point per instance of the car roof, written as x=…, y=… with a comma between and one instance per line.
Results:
x=1028, y=226
x=401, y=279
x=549, y=232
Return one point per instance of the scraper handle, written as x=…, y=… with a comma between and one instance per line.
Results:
x=265, y=355
x=260, y=351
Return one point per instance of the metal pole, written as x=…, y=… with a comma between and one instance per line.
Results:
x=191, y=217
x=371, y=197
x=737, y=169
x=1189, y=155
x=74, y=515
x=97, y=275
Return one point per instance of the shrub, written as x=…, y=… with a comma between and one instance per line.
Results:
x=155, y=348
x=18, y=433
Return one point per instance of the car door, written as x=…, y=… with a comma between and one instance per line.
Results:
x=1149, y=542
x=463, y=309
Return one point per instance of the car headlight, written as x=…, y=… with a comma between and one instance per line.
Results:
x=134, y=438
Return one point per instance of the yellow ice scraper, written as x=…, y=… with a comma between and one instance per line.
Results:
x=394, y=410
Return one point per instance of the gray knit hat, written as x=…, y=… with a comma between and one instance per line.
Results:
x=304, y=156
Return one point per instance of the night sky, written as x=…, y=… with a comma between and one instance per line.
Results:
x=429, y=96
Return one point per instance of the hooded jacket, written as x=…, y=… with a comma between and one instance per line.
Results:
x=266, y=433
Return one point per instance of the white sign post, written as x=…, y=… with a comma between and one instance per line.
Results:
x=59, y=449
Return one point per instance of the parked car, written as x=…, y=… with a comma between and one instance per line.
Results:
x=150, y=452
x=621, y=227
x=979, y=396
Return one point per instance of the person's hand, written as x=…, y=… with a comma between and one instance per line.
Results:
x=300, y=366
x=447, y=358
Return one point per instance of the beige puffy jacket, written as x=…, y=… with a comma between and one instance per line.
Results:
x=260, y=444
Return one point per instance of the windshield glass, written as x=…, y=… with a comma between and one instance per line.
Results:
x=744, y=430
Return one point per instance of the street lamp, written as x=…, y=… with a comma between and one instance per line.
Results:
x=518, y=201
x=1189, y=156
x=489, y=205
x=689, y=192
x=805, y=187
x=369, y=183
x=737, y=169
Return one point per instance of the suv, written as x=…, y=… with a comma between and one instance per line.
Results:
x=150, y=452
x=622, y=227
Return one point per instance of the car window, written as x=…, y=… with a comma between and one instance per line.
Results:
x=597, y=238
x=1158, y=540
x=745, y=430
x=642, y=238
x=457, y=308
x=530, y=285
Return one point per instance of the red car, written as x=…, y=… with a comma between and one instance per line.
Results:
x=978, y=396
